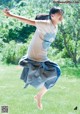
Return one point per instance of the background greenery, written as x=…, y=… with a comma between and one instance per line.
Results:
x=15, y=37
x=61, y=99
x=15, y=33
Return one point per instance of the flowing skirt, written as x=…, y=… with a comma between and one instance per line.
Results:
x=39, y=74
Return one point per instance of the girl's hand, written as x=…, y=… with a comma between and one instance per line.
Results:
x=7, y=12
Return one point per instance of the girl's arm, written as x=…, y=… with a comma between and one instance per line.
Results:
x=27, y=21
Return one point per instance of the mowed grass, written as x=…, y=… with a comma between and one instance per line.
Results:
x=61, y=99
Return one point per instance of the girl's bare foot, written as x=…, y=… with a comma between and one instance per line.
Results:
x=39, y=96
x=38, y=100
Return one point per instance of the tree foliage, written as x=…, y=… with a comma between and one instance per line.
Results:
x=68, y=37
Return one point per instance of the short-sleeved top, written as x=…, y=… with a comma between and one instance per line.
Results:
x=44, y=35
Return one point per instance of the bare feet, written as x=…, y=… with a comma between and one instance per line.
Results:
x=39, y=96
x=38, y=100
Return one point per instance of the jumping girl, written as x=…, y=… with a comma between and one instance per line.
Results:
x=38, y=70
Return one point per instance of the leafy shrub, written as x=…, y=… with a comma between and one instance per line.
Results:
x=65, y=53
x=20, y=34
x=13, y=51
x=1, y=45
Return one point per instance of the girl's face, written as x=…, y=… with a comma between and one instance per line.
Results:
x=57, y=17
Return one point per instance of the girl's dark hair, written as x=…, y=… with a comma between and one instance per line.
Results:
x=52, y=11
x=42, y=17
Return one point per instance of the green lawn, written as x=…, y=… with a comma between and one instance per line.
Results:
x=61, y=99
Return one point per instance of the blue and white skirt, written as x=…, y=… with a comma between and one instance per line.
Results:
x=39, y=74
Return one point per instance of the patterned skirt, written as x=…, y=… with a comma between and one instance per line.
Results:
x=39, y=74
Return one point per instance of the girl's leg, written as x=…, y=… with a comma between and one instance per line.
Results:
x=39, y=96
x=50, y=83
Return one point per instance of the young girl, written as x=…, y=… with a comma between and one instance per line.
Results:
x=38, y=70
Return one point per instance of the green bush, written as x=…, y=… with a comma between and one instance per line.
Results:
x=13, y=51
x=1, y=45
x=65, y=53
x=20, y=34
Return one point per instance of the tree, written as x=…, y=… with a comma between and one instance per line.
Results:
x=70, y=31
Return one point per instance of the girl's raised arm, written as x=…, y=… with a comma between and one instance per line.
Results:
x=23, y=19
